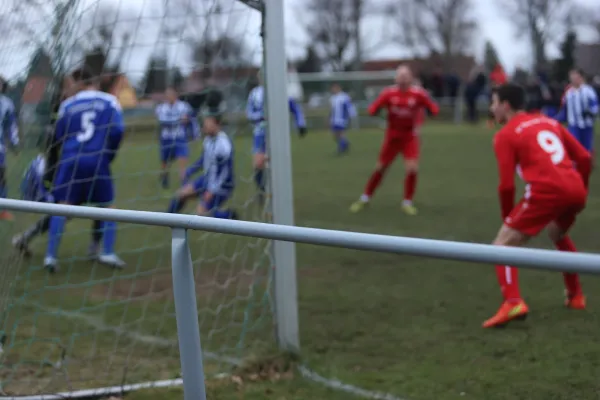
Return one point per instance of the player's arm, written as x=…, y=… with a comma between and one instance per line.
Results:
x=194, y=168
x=350, y=108
x=116, y=130
x=253, y=113
x=223, y=153
x=507, y=163
x=380, y=102
x=430, y=106
x=592, y=103
x=54, y=145
x=580, y=156
x=11, y=126
x=297, y=113
x=561, y=115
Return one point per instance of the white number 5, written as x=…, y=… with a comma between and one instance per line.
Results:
x=552, y=145
x=87, y=126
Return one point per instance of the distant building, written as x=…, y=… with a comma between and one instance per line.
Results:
x=587, y=57
x=461, y=65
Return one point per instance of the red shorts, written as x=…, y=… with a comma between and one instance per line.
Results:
x=407, y=145
x=530, y=216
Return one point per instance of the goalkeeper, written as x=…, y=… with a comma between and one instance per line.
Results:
x=36, y=185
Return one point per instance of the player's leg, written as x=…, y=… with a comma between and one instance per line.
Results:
x=410, y=152
x=184, y=194
x=182, y=154
x=259, y=150
x=97, y=234
x=21, y=241
x=102, y=193
x=513, y=307
x=4, y=215
x=558, y=233
x=213, y=207
x=66, y=191
x=166, y=157
x=388, y=153
x=339, y=135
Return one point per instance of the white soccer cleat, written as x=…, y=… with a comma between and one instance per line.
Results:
x=112, y=260
x=51, y=264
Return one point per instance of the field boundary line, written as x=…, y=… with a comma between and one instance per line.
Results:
x=98, y=324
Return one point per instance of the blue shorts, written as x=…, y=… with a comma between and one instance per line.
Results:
x=79, y=183
x=259, y=144
x=585, y=136
x=173, y=150
x=338, y=129
x=217, y=200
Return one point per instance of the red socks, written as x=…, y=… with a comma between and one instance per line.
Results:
x=508, y=278
x=373, y=183
x=571, y=279
x=410, y=185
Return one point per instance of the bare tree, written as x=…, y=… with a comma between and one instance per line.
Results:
x=334, y=28
x=543, y=22
x=445, y=27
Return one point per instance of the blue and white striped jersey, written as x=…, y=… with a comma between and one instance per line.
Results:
x=9, y=131
x=342, y=110
x=216, y=164
x=255, y=111
x=174, y=120
x=32, y=184
x=580, y=107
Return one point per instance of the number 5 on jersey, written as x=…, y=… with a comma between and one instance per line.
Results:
x=552, y=145
x=88, y=128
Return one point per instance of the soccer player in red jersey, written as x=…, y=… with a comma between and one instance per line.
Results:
x=403, y=102
x=556, y=170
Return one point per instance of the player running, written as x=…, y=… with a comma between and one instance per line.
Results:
x=9, y=134
x=89, y=131
x=174, y=116
x=341, y=113
x=215, y=186
x=579, y=109
x=255, y=112
x=545, y=155
x=404, y=104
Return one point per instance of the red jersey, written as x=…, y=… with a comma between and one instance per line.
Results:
x=403, y=108
x=543, y=153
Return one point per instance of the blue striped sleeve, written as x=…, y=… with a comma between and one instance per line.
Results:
x=296, y=111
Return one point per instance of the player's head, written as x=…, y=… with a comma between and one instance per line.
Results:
x=404, y=76
x=336, y=88
x=83, y=79
x=171, y=95
x=507, y=99
x=211, y=124
x=577, y=77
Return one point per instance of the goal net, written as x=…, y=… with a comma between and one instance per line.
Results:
x=88, y=326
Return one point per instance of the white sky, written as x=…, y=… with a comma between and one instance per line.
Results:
x=513, y=51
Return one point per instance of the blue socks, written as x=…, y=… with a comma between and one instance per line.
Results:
x=57, y=226
x=224, y=214
x=259, y=178
x=176, y=205
x=343, y=144
x=109, y=232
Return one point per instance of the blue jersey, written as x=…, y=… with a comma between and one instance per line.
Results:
x=90, y=127
x=32, y=184
x=175, y=121
x=580, y=107
x=9, y=132
x=342, y=111
x=216, y=164
x=255, y=111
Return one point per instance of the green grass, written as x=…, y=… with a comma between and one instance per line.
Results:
x=404, y=325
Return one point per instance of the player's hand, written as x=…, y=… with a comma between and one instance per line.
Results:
x=302, y=131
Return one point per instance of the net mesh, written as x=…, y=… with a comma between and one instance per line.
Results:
x=88, y=326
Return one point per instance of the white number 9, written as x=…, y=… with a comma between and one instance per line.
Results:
x=88, y=128
x=552, y=145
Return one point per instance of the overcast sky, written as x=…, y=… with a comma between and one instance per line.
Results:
x=513, y=51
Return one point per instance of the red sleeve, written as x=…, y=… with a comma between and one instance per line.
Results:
x=379, y=103
x=577, y=153
x=507, y=163
x=429, y=104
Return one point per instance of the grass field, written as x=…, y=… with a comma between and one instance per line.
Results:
x=397, y=324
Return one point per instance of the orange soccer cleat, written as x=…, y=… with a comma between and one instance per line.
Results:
x=508, y=311
x=6, y=216
x=575, y=301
